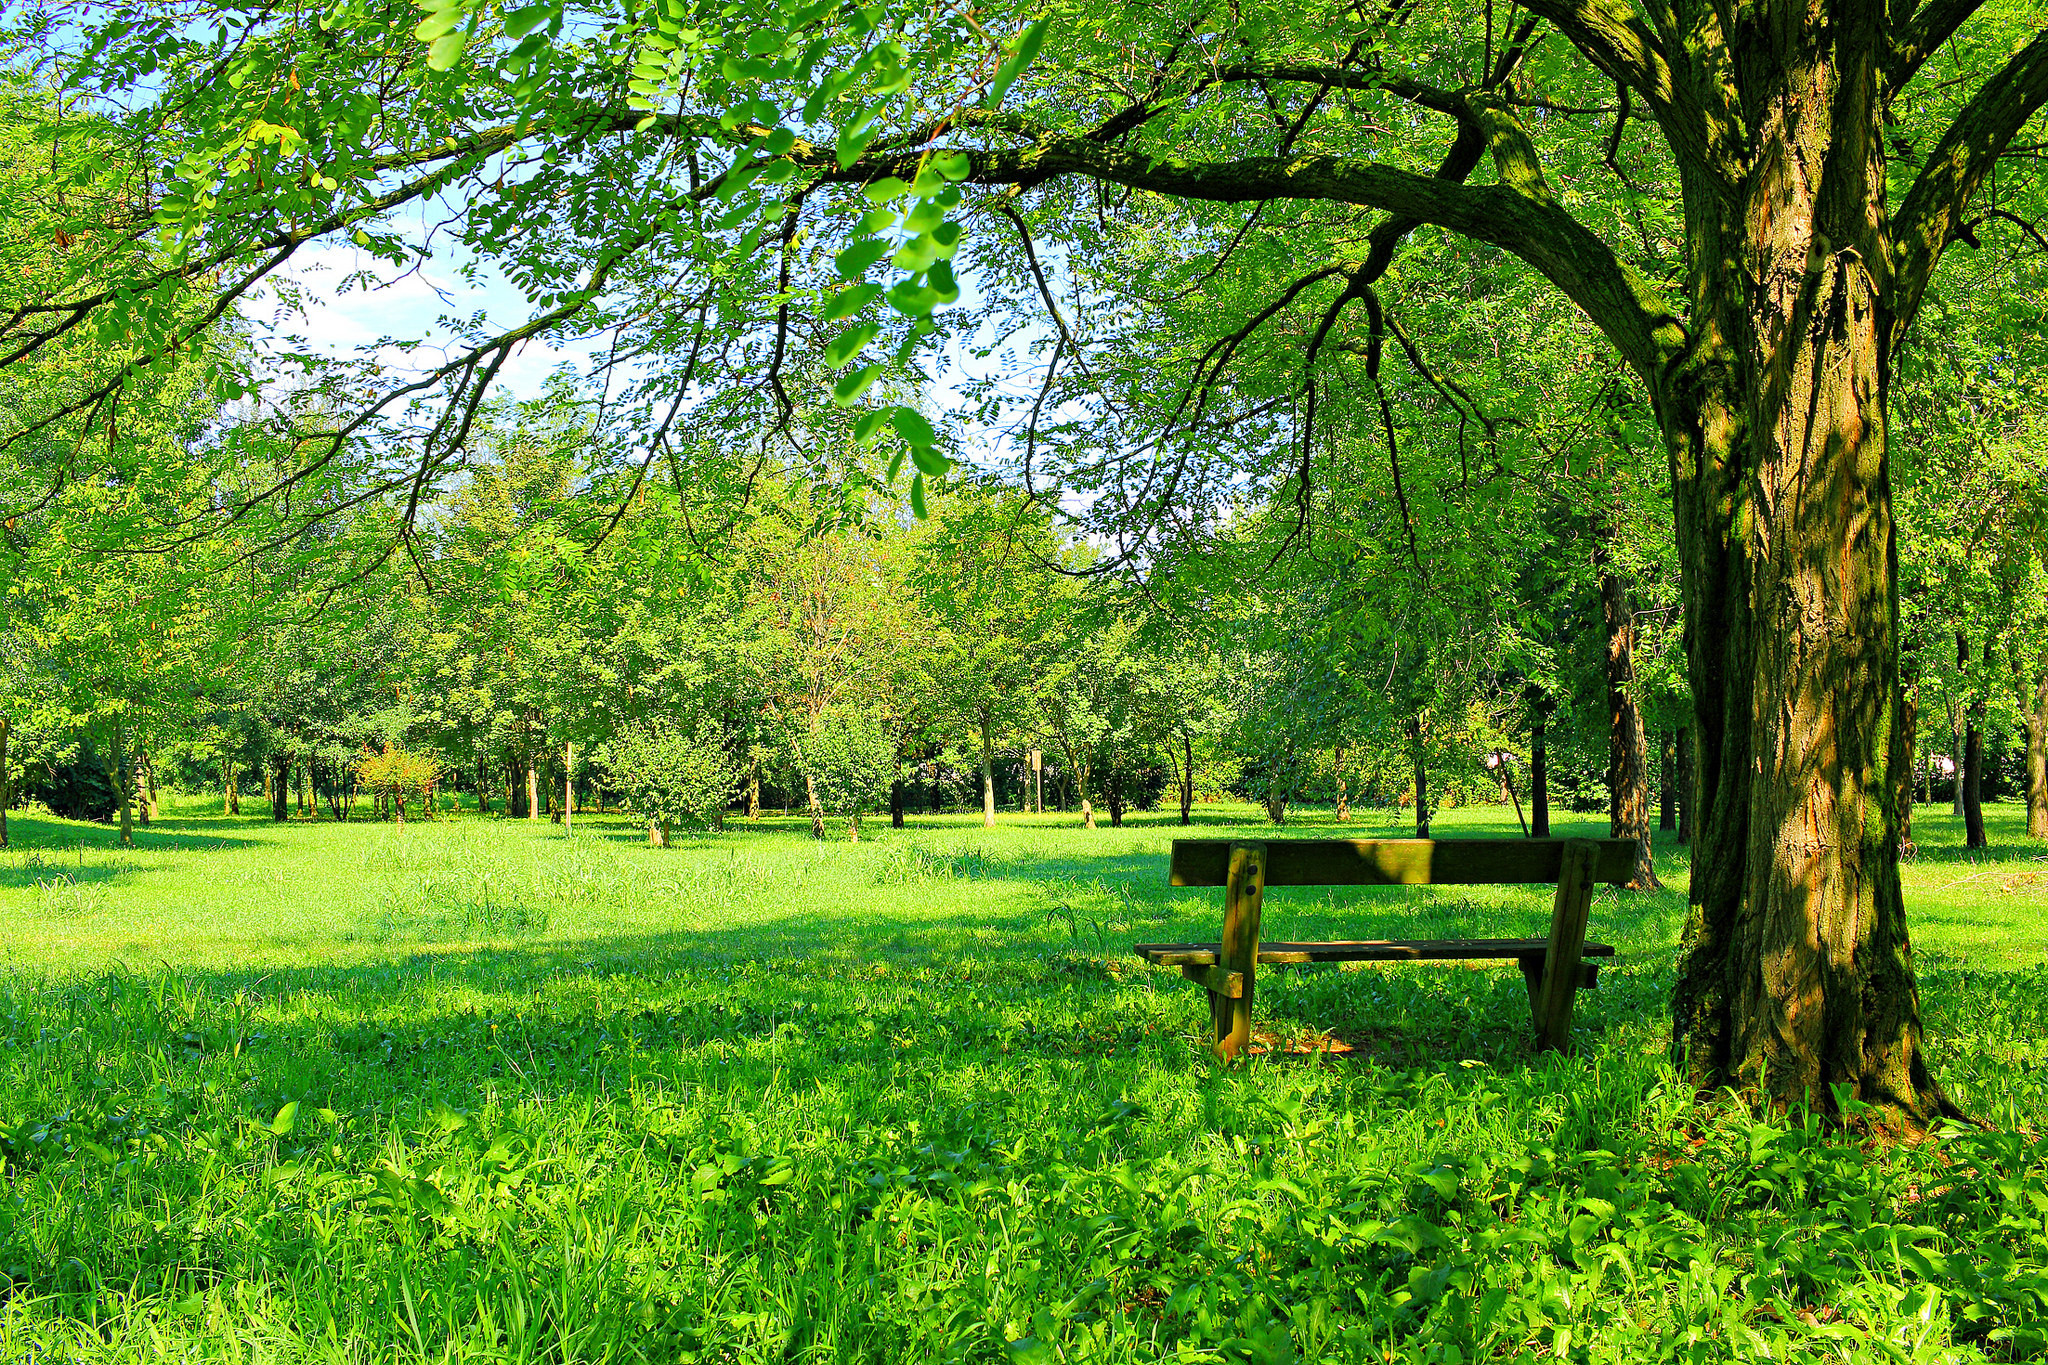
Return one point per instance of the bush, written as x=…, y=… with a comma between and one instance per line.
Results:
x=670, y=776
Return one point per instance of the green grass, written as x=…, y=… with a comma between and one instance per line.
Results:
x=471, y=1091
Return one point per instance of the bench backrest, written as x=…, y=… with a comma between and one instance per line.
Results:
x=1401, y=862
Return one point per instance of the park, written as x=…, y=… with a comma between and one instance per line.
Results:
x=847, y=680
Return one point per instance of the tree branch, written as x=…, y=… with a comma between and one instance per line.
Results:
x=1955, y=170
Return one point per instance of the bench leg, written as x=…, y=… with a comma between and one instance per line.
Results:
x=1560, y=981
x=1242, y=897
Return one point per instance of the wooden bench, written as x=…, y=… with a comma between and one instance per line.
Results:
x=1553, y=968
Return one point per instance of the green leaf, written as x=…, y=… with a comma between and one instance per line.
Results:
x=1027, y=49
x=446, y=51
x=870, y=422
x=764, y=42
x=954, y=165
x=929, y=461
x=428, y=29
x=941, y=277
x=913, y=300
x=918, y=253
x=911, y=425
x=855, y=260
x=848, y=344
x=1029, y=1351
x=521, y=22
x=853, y=384
x=779, y=172
x=886, y=190
x=286, y=1119
x=849, y=301
x=895, y=465
x=780, y=141
x=917, y=506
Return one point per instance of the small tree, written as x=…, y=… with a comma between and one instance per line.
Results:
x=396, y=774
x=851, y=757
x=669, y=776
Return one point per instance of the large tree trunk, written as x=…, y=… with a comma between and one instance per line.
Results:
x=1796, y=973
x=1628, y=757
x=1539, y=763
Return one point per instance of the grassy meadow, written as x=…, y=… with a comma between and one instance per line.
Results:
x=474, y=1091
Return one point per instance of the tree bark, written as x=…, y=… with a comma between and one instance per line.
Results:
x=754, y=789
x=657, y=837
x=231, y=797
x=1628, y=760
x=568, y=787
x=280, y=788
x=817, y=811
x=896, y=802
x=1343, y=800
x=6, y=785
x=1539, y=763
x=1909, y=735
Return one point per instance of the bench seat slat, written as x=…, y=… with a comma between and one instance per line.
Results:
x=1364, y=950
x=1399, y=862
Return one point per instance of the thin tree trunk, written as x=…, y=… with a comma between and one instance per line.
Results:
x=988, y=776
x=1421, y=784
x=896, y=802
x=1114, y=790
x=141, y=778
x=2037, y=752
x=1972, y=784
x=1539, y=763
x=1667, y=796
x=280, y=788
x=817, y=812
x=1628, y=760
x=532, y=789
x=122, y=777
x=568, y=787
x=1685, y=779
x=753, y=788
x=1909, y=732
x=231, y=796
x=6, y=782
x=1187, y=780
x=657, y=837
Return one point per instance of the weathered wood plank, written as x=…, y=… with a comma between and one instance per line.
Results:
x=1218, y=980
x=1366, y=950
x=1401, y=862
x=1569, y=910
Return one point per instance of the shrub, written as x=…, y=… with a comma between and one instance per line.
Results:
x=671, y=776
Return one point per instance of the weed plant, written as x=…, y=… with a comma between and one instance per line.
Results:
x=473, y=1091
